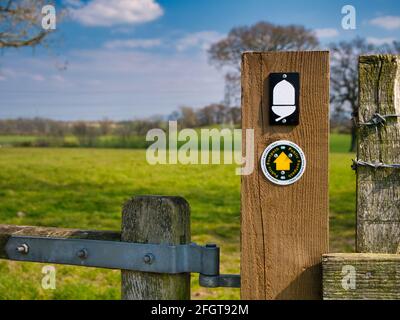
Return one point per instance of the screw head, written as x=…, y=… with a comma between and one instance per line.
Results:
x=148, y=258
x=83, y=254
x=23, y=248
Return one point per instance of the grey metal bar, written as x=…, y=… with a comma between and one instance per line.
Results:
x=157, y=258
x=223, y=280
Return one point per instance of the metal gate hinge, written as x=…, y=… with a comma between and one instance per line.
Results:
x=222, y=280
x=156, y=258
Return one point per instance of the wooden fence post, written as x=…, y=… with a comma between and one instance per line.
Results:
x=373, y=272
x=378, y=189
x=157, y=220
x=285, y=228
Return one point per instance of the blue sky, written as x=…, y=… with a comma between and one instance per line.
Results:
x=126, y=59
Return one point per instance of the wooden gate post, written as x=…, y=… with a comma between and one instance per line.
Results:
x=157, y=220
x=285, y=228
x=372, y=273
x=378, y=189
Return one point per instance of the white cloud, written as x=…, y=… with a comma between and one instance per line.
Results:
x=116, y=12
x=326, y=33
x=380, y=41
x=13, y=74
x=198, y=40
x=37, y=77
x=201, y=40
x=58, y=78
x=387, y=22
x=133, y=43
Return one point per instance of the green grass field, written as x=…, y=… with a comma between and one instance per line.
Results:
x=85, y=188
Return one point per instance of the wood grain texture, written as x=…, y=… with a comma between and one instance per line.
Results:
x=157, y=220
x=6, y=231
x=285, y=228
x=377, y=276
x=378, y=190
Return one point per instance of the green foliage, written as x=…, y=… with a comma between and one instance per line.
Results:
x=85, y=188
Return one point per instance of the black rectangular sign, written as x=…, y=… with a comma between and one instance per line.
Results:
x=284, y=90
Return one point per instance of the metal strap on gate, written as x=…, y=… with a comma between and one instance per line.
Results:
x=157, y=258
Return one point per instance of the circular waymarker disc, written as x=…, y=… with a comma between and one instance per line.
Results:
x=283, y=162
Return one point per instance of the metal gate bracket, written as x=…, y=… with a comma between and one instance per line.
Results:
x=157, y=258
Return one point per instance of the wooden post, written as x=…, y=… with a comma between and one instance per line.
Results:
x=373, y=273
x=285, y=228
x=378, y=190
x=157, y=220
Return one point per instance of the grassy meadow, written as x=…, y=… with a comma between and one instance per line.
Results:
x=85, y=188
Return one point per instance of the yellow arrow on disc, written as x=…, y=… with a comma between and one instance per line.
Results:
x=283, y=162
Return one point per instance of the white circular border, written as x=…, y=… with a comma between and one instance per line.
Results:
x=277, y=181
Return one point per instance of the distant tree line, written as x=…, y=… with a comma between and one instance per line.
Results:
x=213, y=114
x=35, y=126
x=108, y=133
x=187, y=117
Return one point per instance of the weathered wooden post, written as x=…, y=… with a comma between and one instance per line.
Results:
x=284, y=224
x=373, y=272
x=156, y=220
x=378, y=187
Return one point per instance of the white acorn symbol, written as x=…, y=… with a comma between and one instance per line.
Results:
x=284, y=101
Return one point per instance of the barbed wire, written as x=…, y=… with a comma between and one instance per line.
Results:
x=376, y=165
x=377, y=119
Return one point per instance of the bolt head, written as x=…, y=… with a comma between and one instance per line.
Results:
x=148, y=258
x=23, y=248
x=83, y=254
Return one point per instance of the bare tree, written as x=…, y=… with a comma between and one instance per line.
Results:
x=20, y=23
x=263, y=36
x=206, y=115
x=188, y=117
x=212, y=114
x=80, y=131
x=106, y=126
x=235, y=114
x=344, y=77
x=86, y=133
